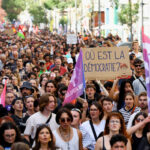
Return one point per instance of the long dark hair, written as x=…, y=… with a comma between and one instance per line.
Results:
x=51, y=143
x=122, y=93
x=145, y=129
x=7, y=126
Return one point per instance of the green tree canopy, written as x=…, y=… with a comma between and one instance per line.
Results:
x=13, y=8
x=125, y=12
x=39, y=14
x=60, y=4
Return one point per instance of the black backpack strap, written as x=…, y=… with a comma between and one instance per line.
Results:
x=93, y=130
x=100, y=135
x=49, y=118
x=142, y=84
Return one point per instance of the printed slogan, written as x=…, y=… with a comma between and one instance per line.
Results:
x=106, y=63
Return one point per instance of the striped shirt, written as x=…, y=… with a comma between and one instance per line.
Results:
x=127, y=113
x=86, y=139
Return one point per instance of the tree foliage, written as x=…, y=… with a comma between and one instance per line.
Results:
x=63, y=21
x=13, y=8
x=127, y=13
x=115, y=2
x=39, y=15
x=60, y=4
x=124, y=14
x=51, y=4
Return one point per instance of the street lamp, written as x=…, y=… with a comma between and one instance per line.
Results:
x=76, y=16
x=142, y=20
x=99, y=17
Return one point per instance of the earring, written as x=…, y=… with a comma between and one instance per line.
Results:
x=49, y=139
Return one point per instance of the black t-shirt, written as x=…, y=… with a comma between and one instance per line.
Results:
x=20, y=122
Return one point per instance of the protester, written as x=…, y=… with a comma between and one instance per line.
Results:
x=50, y=87
x=67, y=137
x=135, y=50
x=107, y=105
x=114, y=125
x=20, y=146
x=118, y=141
x=142, y=101
x=42, y=82
x=44, y=138
x=17, y=113
x=9, y=134
x=139, y=84
x=95, y=126
x=141, y=137
x=26, y=89
x=76, y=123
x=29, y=104
x=47, y=105
x=118, y=97
x=129, y=107
x=137, y=69
x=43, y=62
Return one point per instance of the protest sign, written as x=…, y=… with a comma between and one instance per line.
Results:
x=106, y=63
x=71, y=39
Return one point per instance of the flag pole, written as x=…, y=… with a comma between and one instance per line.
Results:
x=85, y=95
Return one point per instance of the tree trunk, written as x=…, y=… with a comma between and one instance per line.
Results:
x=131, y=23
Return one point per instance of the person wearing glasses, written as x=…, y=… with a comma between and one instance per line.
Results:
x=139, y=84
x=114, y=125
x=95, y=126
x=76, y=123
x=9, y=134
x=67, y=138
x=137, y=69
x=141, y=136
x=47, y=104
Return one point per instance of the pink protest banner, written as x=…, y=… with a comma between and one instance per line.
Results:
x=2, y=99
x=77, y=83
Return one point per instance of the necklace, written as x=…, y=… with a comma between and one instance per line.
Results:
x=66, y=137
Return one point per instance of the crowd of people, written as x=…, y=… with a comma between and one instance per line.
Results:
x=37, y=71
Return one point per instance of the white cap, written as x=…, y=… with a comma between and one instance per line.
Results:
x=70, y=61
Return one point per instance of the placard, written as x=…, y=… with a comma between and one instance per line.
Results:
x=71, y=39
x=106, y=63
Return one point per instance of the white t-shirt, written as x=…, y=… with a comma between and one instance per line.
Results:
x=36, y=120
x=98, y=128
x=138, y=55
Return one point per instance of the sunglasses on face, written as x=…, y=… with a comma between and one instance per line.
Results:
x=63, y=120
x=63, y=94
x=137, y=65
x=139, y=120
